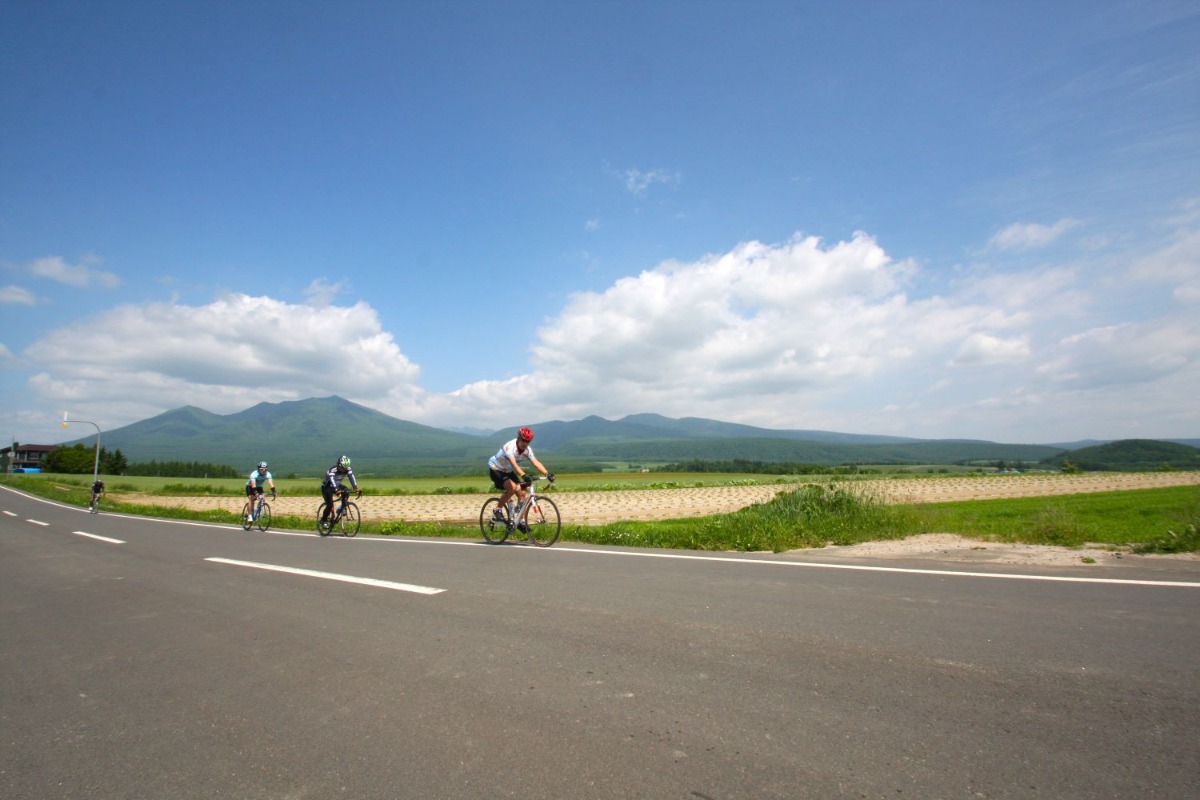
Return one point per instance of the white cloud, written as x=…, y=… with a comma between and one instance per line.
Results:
x=321, y=292
x=1029, y=235
x=981, y=350
x=798, y=334
x=224, y=356
x=16, y=295
x=637, y=181
x=78, y=275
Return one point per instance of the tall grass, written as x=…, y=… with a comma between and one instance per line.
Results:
x=814, y=515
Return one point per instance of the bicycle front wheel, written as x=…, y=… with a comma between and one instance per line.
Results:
x=349, y=520
x=323, y=528
x=494, y=530
x=247, y=522
x=543, y=522
x=264, y=518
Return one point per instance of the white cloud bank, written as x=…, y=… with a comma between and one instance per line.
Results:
x=798, y=334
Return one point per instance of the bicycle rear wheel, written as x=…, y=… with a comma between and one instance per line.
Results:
x=349, y=520
x=247, y=522
x=494, y=530
x=543, y=522
x=264, y=518
x=323, y=528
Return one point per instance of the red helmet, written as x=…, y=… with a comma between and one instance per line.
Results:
x=526, y=434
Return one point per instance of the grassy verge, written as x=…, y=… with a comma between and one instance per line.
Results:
x=815, y=515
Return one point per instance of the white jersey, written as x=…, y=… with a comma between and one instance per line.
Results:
x=509, y=450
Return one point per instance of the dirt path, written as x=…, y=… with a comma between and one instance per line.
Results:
x=653, y=504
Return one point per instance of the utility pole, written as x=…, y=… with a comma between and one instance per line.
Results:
x=96, y=463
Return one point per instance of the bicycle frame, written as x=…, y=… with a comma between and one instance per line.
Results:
x=536, y=517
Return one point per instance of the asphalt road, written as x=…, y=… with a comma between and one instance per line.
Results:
x=166, y=660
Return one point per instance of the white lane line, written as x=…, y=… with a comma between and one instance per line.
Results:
x=39, y=522
x=10, y=513
x=909, y=570
x=101, y=538
x=804, y=564
x=331, y=576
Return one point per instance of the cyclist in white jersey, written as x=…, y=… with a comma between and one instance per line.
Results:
x=254, y=484
x=505, y=469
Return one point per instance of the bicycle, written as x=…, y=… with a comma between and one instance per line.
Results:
x=94, y=506
x=346, y=517
x=537, y=517
x=259, y=513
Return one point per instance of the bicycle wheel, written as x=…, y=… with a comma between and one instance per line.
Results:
x=349, y=520
x=247, y=523
x=325, y=528
x=494, y=531
x=264, y=518
x=95, y=505
x=543, y=522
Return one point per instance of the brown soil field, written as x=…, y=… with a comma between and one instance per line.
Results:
x=592, y=508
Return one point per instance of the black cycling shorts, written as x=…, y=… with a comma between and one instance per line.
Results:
x=501, y=478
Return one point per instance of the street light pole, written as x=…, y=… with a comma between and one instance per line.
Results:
x=96, y=463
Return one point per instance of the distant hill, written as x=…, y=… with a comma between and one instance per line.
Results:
x=1129, y=455
x=305, y=436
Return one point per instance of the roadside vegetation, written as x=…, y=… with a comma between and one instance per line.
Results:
x=838, y=512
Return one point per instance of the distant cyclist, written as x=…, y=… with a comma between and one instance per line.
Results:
x=332, y=484
x=506, y=472
x=97, y=491
x=254, y=486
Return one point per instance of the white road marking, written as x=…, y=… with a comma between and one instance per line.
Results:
x=101, y=538
x=39, y=522
x=809, y=564
x=331, y=576
x=10, y=513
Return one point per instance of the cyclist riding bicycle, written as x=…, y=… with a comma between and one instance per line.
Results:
x=254, y=486
x=332, y=484
x=505, y=469
x=97, y=490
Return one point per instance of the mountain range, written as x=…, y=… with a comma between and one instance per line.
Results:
x=304, y=437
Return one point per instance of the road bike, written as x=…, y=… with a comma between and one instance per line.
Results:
x=258, y=513
x=536, y=517
x=94, y=506
x=346, y=518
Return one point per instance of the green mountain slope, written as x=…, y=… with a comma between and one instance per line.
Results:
x=1130, y=455
x=305, y=436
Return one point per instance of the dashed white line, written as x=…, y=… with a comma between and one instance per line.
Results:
x=101, y=538
x=331, y=576
x=39, y=522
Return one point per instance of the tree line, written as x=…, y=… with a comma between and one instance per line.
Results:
x=80, y=459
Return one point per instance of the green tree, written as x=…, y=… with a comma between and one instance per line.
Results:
x=113, y=463
x=76, y=460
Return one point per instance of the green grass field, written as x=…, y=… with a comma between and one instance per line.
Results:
x=1148, y=520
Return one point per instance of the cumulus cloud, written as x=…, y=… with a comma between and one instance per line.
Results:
x=80, y=276
x=797, y=334
x=1029, y=235
x=224, y=356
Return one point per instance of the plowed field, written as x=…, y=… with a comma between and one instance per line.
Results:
x=652, y=504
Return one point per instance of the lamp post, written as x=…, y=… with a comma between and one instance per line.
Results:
x=96, y=463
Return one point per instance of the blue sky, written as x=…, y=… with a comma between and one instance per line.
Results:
x=930, y=219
